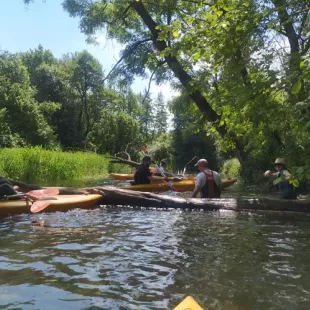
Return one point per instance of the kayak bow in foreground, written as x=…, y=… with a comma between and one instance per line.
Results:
x=189, y=303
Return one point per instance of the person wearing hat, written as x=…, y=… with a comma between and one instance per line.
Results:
x=282, y=174
x=208, y=182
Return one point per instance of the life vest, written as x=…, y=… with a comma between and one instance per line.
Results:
x=285, y=187
x=208, y=190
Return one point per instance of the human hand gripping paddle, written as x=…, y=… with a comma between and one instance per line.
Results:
x=40, y=198
x=144, y=149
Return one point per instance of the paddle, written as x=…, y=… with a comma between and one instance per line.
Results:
x=144, y=149
x=194, y=158
x=42, y=193
x=35, y=194
x=39, y=205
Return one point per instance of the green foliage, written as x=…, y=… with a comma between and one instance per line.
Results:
x=231, y=169
x=230, y=51
x=114, y=131
x=229, y=58
x=161, y=116
x=162, y=147
x=191, y=137
x=50, y=166
x=21, y=115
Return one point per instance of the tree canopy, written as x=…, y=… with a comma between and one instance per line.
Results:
x=243, y=63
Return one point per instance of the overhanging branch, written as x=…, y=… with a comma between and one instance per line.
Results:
x=127, y=53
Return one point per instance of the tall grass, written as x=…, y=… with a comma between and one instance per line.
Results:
x=36, y=164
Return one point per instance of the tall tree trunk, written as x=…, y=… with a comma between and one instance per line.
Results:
x=185, y=79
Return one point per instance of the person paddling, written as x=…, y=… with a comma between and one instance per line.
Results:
x=163, y=166
x=287, y=190
x=208, y=182
x=143, y=175
x=162, y=169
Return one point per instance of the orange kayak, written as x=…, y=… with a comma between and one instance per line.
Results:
x=181, y=186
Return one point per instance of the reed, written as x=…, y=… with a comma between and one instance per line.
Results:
x=36, y=164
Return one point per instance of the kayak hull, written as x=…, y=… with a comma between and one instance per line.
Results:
x=189, y=303
x=181, y=186
x=129, y=177
x=62, y=203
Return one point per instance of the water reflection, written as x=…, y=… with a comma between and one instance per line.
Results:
x=116, y=259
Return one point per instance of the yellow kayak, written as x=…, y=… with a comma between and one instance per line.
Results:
x=181, y=186
x=62, y=203
x=189, y=303
x=128, y=177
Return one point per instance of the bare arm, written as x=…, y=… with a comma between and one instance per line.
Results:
x=195, y=192
x=269, y=173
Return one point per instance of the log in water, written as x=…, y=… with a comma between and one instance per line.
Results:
x=116, y=196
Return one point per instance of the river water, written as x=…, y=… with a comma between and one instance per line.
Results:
x=148, y=259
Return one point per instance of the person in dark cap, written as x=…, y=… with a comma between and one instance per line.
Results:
x=282, y=174
x=143, y=174
x=208, y=182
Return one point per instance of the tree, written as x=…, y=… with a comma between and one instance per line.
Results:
x=191, y=135
x=22, y=120
x=161, y=115
x=114, y=131
x=234, y=45
x=147, y=115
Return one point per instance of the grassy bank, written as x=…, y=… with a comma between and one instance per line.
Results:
x=36, y=164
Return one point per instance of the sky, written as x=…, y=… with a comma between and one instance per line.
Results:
x=45, y=22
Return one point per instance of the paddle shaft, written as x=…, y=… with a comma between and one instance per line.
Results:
x=161, y=172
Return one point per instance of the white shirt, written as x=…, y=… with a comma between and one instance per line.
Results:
x=201, y=178
x=161, y=169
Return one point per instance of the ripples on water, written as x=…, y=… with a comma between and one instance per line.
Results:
x=124, y=259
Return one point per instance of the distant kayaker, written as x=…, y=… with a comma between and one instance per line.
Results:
x=287, y=190
x=143, y=175
x=208, y=182
x=6, y=188
x=163, y=166
x=162, y=169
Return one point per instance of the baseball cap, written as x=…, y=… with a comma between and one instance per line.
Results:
x=201, y=161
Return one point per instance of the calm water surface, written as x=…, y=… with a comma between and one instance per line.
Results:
x=147, y=259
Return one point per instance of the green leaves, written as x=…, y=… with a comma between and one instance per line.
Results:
x=296, y=87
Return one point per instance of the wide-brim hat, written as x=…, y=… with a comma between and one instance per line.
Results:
x=201, y=161
x=279, y=161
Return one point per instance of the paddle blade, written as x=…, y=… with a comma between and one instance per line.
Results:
x=39, y=205
x=40, y=193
